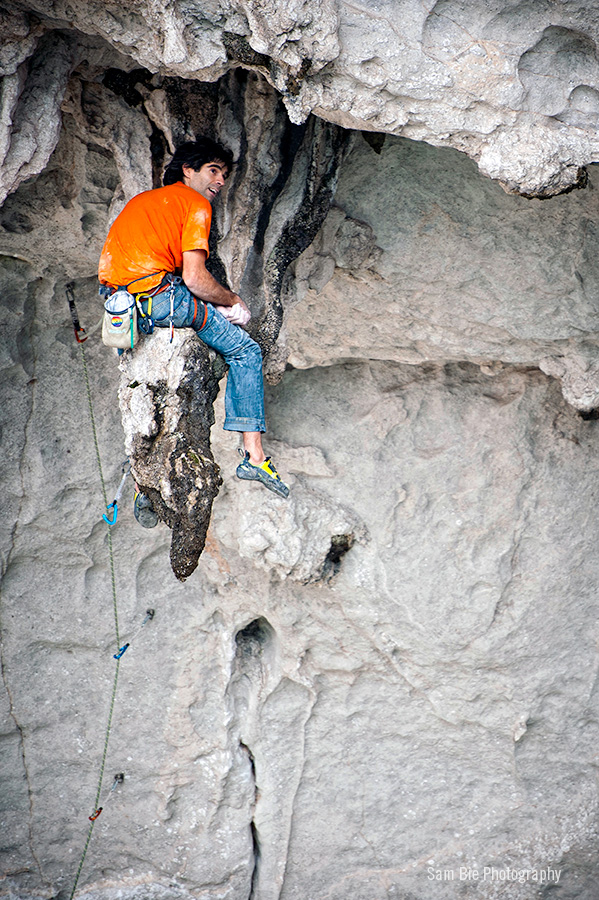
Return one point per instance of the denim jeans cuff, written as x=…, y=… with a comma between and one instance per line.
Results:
x=241, y=424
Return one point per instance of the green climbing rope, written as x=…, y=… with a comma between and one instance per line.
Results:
x=97, y=808
x=104, y=495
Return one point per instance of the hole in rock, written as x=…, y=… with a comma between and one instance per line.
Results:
x=254, y=638
x=375, y=140
x=340, y=544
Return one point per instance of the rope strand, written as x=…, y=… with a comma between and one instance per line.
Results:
x=104, y=495
x=116, y=628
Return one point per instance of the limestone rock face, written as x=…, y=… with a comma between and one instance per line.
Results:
x=515, y=85
x=385, y=687
x=508, y=280
x=31, y=104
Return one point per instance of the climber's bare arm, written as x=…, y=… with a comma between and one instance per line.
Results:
x=201, y=283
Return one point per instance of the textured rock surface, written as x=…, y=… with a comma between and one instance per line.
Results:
x=419, y=268
x=166, y=396
x=513, y=84
x=432, y=704
x=456, y=563
x=394, y=673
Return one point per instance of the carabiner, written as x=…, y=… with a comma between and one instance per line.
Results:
x=121, y=652
x=115, y=508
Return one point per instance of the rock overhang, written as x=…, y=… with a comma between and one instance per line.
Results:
x=515, y=86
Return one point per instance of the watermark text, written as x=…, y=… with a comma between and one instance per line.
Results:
x=492, y=873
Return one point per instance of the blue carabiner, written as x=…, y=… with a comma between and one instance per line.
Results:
x=121, y=652
x=115, y=508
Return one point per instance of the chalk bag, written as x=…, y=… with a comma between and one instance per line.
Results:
x=119, y=327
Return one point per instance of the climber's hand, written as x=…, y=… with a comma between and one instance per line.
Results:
x=238, y=314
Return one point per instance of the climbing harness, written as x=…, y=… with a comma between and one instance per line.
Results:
x=118, y=779
x=172, y=281
x=113, y=508
x=124, y=316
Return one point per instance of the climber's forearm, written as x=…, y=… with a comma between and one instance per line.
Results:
x=202, y=284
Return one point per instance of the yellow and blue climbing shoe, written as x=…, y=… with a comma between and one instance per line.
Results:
x=144, y=511
x=265, y=473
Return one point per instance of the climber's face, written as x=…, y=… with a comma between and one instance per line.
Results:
x=208, y=180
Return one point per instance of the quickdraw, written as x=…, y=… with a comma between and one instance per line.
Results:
x=113, y=508
x=74, y=317
x=145, y=322
x=121, y=652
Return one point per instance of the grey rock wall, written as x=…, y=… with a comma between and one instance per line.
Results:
x=415, y=266
x=392, y=676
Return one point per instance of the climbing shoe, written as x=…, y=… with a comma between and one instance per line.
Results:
x=265, y=473
x=144, y=511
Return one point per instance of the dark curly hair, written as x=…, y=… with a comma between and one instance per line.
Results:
x=196, y=154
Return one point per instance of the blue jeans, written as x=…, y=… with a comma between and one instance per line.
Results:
x=244, y=397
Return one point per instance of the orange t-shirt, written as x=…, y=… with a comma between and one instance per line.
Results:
x=149, y=236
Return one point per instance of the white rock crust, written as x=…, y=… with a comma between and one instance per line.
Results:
x=165, y=364
x=32, y=94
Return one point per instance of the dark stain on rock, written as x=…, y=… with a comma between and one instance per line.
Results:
x=294, y=80
x=123, y=84
x=239, y=51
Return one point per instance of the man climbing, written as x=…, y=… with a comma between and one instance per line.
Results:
x=157, y=248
